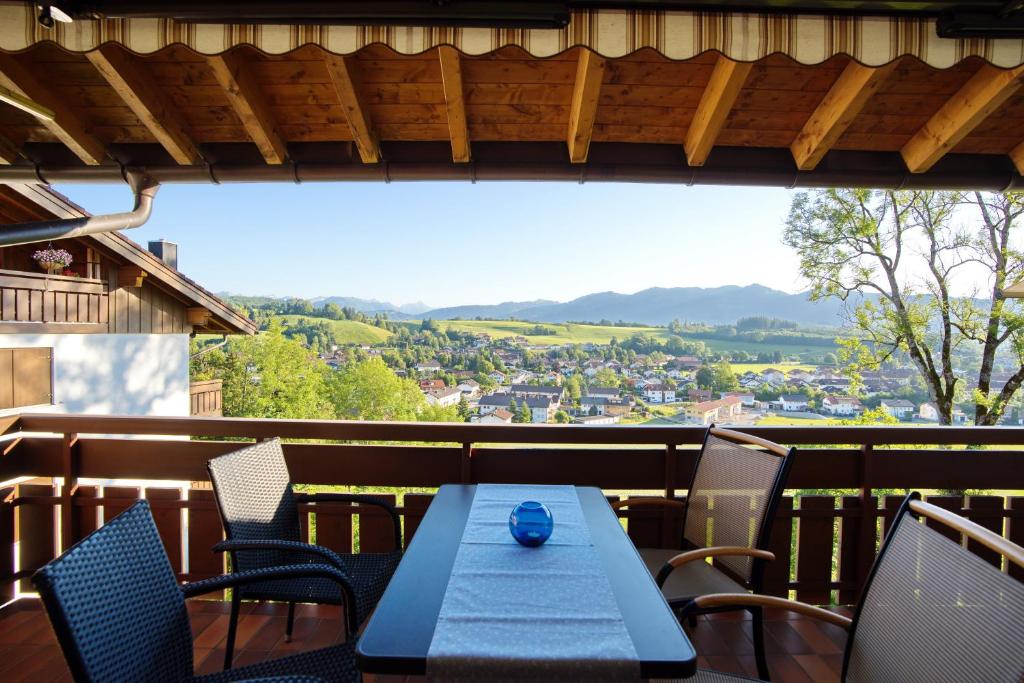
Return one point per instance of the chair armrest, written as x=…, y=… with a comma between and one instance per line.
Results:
x=663, y=502
x=703, y=553
x=753, y=600
x=362, y=499
x=297, y=547
x=293, y=571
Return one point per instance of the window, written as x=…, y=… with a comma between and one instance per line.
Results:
x=26, y=377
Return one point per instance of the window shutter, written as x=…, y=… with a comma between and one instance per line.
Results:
x=33, y=376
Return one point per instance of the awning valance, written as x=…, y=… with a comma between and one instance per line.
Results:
x=872, y=41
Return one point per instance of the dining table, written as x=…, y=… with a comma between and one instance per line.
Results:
x=469, y=603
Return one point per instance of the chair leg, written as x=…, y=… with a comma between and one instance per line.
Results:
x=757, y=622
x=291, y=623
x=229, y=648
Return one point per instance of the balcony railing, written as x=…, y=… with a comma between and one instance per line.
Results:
x=206, y=398
x=824, y=542
x=36, y=299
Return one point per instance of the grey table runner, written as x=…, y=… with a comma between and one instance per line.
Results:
x=512, y=613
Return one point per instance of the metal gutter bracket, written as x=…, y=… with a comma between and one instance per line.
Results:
x=144, y=189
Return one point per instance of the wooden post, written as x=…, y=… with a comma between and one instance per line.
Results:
x=466, y=464
x=68, y=518
x=669, y=516
x=7, y=537
x=867, y=533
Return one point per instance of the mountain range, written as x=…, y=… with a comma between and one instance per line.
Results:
x=654, y=306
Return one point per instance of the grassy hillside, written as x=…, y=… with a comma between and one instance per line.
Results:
x=564, y=333
x=346, y=331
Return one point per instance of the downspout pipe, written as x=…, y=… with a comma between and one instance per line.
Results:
x=144, y=189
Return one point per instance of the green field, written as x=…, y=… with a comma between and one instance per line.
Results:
x=565, y=333
x=345, y=331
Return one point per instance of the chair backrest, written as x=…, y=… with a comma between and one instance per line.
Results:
x=736, y=486
x=255, y=499
x=115, y=604
x=932, y=610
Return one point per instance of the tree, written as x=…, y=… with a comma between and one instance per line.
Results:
x=724, y=377
x=562, y=417
x=525, y=414
x=572, y=387
x=463, y=408
x=269, y=376
x=370, y=390
x=513, y=408
x=606, y=377
x=895, y=258
x=705, y=377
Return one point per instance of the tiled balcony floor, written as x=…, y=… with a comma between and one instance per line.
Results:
x=800, y=650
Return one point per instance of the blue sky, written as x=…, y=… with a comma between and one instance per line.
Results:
x=456, y=243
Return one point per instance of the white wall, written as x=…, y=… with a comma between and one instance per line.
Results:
x=114, y=374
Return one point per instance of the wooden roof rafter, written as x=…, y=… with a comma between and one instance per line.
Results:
x=983, y=94
x=1017, y=154
x=66, y=125
x=344, y=78
x=232, y=72
x=586, y=94
x=135, y=86
x=9, y=152
x=721, y=92
x=836, y=112
x=455, y=102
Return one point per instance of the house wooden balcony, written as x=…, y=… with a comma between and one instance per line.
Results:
x=206, y=398
x=824, y=542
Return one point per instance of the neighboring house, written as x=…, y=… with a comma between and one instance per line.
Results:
x=113, y=338
x=429, y=367
x=498, y=416
x=842, y=406
x=554, y=393
x=429, y=384
x=542, y=409
x=707, y=412
x=497, y=376
x=659, y=393
x=899, y=408
x=745, y=397
x=443, y=397
x=773, y=375
x=792, y=403
x=698, y=395
x=607, y=392
x=929, y=412
x=470, y=387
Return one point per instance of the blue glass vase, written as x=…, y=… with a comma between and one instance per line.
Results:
x=531, y=523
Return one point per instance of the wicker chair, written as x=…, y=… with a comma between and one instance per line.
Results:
x=728, y=514
x=931, y=610
x=119, y=613
x=259, y=510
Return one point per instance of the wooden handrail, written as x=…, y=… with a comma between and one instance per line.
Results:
x=342, y=430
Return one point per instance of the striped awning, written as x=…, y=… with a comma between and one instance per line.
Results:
x=872, y=41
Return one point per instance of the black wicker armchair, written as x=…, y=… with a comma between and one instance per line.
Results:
x=931, y=609
x=728, y=515
x=259, y=509
x=120, y=615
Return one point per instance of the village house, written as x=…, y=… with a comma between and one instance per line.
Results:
x=497, y=376
x=542, y=409
x=499, y=416
x=659, y=393
x=842, y=406
x=444, y=397
x=707, y=412
x=596, y=420
x=607, y=392
x=698, y=395
x=469, y=387
x=429, y=367
x=792, y=403
x=773, y=375
x=428, y=384
x=553, y=393
x=746, y=397
x=899, y=408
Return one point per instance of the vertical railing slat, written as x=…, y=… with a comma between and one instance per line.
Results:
x=852, y=545
x=376, y=532
x=415, y=505
x=7, y=536
x=776, y=575
x=814, y=550
x=86, y=516
x=168, y=525
x=204, y=531
x=36, y=527
x=334, y=526
x=986, y=511
x=1015, y=532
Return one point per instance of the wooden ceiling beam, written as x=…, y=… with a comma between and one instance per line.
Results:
x=973, y=103
x=1017, y=154
x=721, y=92
x=342, y=72
x=836, y=112
x=455, y=103
x=247, y=99
x=128, y=78
x=66, y=125
x=586, y=93
x=9, y=152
